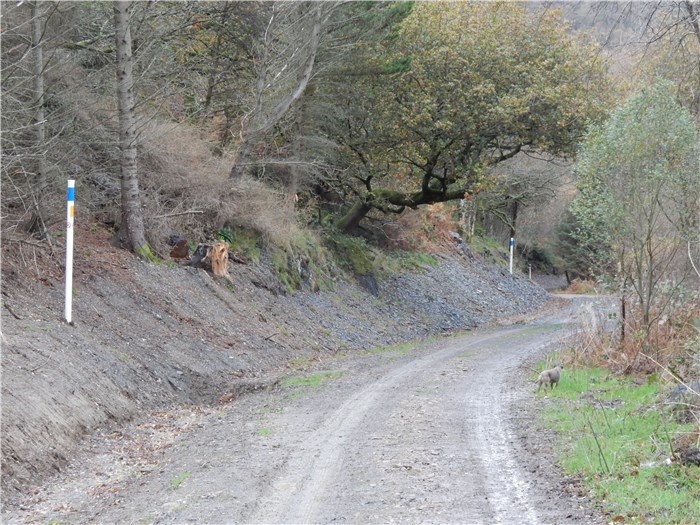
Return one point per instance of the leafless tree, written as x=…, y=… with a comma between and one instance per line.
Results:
x=286, y=63
x=24, y=114
x=519, y=183
x=649, y=39
x=38, y=223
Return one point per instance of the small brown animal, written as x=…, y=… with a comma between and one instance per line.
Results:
x=549, y=378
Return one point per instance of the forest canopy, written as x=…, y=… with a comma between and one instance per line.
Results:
x=464, y=86
x=266, y=114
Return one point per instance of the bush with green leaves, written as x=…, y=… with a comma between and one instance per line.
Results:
x=638, y=195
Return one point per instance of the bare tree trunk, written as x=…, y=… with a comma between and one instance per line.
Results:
x=298, y=173
x=37, y=221
x=513, y=218
x=214, y=69
x=250, y=136
x=468, y=210
x=623, y=315
x=693, y=16
x=131, y=233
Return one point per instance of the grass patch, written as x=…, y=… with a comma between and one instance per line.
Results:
x=177, y=482
x=415, y=260
x=400, y=348
x=265, y=432
x=397, y=261
x=357, y=255
x=303, y=261
x=310, y=380
x=353, y=253
x=490, y=249
x=615, y=439
x=243, y=241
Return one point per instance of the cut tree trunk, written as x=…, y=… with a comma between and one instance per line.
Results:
x=213, y=257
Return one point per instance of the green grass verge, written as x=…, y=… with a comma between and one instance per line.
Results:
x=310, y=380
x=615, y=439
x=402, y=348
x=243, y=241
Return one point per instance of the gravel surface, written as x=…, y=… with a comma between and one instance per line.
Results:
x=155, y=349
x=441, y=432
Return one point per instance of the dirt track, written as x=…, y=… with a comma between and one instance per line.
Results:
x=148, y=338
x=442, y=433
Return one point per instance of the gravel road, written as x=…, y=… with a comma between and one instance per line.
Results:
x=444, y=432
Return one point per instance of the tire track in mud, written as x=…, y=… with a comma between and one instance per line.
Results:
x=507, y=486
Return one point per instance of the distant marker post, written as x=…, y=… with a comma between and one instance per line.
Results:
x=70, y=216
x=512, y=244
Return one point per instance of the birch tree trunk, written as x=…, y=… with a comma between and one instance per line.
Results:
x=131, y=232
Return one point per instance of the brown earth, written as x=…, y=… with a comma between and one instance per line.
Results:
x=156, y=379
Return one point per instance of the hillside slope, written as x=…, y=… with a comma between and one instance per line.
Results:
x=147, y=337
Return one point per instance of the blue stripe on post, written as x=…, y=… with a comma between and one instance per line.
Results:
x=71, y=194
x=511, y=243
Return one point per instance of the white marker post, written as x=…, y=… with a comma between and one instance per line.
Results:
x=512, y=244
x=69, y=251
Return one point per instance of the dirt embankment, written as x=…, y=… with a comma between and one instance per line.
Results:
x=149, y=337
x=435, y=432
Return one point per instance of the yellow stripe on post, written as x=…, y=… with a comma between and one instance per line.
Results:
x=70, y=198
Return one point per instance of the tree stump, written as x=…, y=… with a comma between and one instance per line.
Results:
x=213, y=257
x=219, y=259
